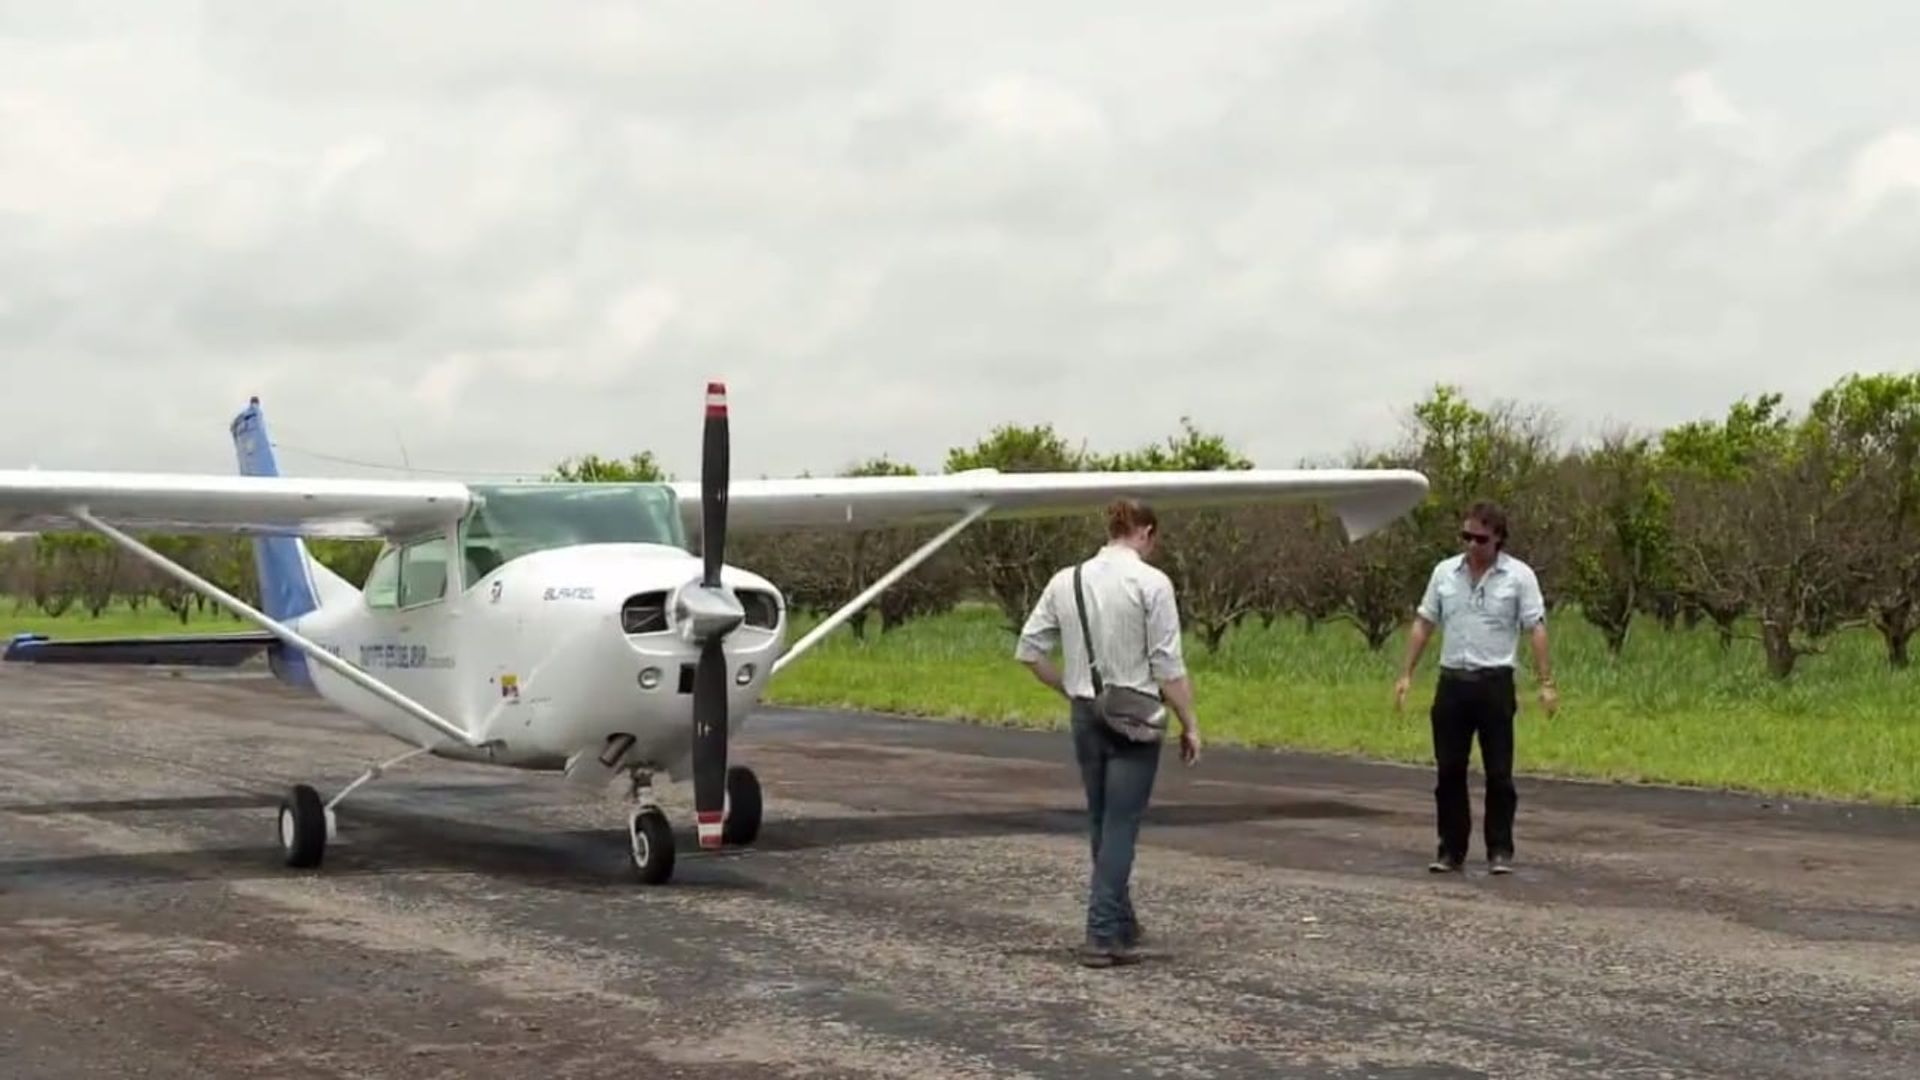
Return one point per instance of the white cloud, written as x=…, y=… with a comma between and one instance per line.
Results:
x=517, y=236
x=1704, y=101
x=1020, y=105
x=438, y=388
x=1888, y=166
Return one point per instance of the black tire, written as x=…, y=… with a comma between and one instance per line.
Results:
x=303, y=827
x=651, y=846
x=742, y=826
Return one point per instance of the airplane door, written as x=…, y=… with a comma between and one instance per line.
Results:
x=407, y=643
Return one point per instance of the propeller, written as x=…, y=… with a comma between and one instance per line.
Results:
x=711, y=613
x=715, y=461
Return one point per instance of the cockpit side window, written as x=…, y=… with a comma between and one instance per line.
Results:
x=478, y=548
x=423, y=571
x=383, y=581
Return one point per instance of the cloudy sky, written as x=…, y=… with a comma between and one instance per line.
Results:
x=482, y=237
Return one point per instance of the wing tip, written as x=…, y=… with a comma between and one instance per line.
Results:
x=1368, y=513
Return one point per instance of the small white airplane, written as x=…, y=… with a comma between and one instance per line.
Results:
x=563, y=627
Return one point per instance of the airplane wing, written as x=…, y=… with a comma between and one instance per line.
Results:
x=196, y=650
x=259, y=505
x=1366, y=500
x=32, y=500
x=179, y=503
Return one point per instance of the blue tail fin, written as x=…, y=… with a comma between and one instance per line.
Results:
x=288, y=574
x=287, y=589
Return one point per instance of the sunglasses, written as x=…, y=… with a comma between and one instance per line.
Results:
x=1475, y=538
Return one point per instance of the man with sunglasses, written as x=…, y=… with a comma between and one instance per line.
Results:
x=1481, y=600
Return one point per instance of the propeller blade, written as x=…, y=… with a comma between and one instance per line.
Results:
x=714, y=464
x=710, y=743
x=712, y=606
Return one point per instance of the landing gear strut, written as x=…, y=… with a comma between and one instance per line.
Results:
x=306, y=824
x=650, y=836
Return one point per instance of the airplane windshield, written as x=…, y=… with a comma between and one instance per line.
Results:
x=512, y=520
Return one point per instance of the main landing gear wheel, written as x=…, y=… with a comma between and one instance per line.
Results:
x=652, y=840
x=306, y=823
x=303, y=826
x=742, y=822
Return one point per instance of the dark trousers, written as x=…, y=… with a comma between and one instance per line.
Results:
x=1118, y=774
x=1463, y=707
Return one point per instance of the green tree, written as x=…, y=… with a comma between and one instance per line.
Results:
x=1219, y=558
x=1871, y=423
x=351, y=559
x=1621, y=529
x=821, y=570
x=173, y=594
x=640, y=468
x=1695, y=459
x=1766, y=521
x=1468, y=452
x=1014, y=559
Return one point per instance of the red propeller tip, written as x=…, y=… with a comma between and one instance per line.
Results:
x=716, y=399
x=710, y=829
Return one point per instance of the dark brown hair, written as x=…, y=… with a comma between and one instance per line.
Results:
x=1489, y=514
x=1126, y=515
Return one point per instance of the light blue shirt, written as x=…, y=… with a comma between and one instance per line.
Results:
x=1481, y=622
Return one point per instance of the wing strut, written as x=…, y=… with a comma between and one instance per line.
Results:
x=284, y=633
x=852, y=607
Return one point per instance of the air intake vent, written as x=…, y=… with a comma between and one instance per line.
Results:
x=645, y=613
x=763, y=611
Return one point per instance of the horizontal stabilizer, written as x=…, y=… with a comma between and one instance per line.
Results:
x=183, y=650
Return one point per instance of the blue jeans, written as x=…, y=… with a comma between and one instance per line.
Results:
x=1119, y=775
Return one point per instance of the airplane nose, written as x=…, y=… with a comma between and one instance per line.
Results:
x=644, y=612
x=707, y=613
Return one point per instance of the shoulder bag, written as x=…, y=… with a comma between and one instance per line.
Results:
x=1134, y=714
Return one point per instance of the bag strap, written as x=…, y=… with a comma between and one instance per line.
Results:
x=1087, y=634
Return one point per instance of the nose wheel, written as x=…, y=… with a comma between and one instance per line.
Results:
x=650, y=834
x=652, y=843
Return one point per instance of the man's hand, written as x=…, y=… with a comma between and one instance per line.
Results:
x=1190, y=743
x=1044, y=670
x=1179, y=697
x=1417, y=636
x=1542, y=668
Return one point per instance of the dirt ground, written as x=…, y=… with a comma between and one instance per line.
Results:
x=912, y=910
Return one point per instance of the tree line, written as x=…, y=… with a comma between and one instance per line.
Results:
x=1787, y=527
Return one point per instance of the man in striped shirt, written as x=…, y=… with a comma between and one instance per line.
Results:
x=1135, y=625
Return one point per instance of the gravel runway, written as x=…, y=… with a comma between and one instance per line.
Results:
x=911, y=911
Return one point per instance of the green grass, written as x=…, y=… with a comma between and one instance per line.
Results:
x=117, y=620
x=1676, y=709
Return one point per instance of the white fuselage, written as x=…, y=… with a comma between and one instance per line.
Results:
x=534, y=658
